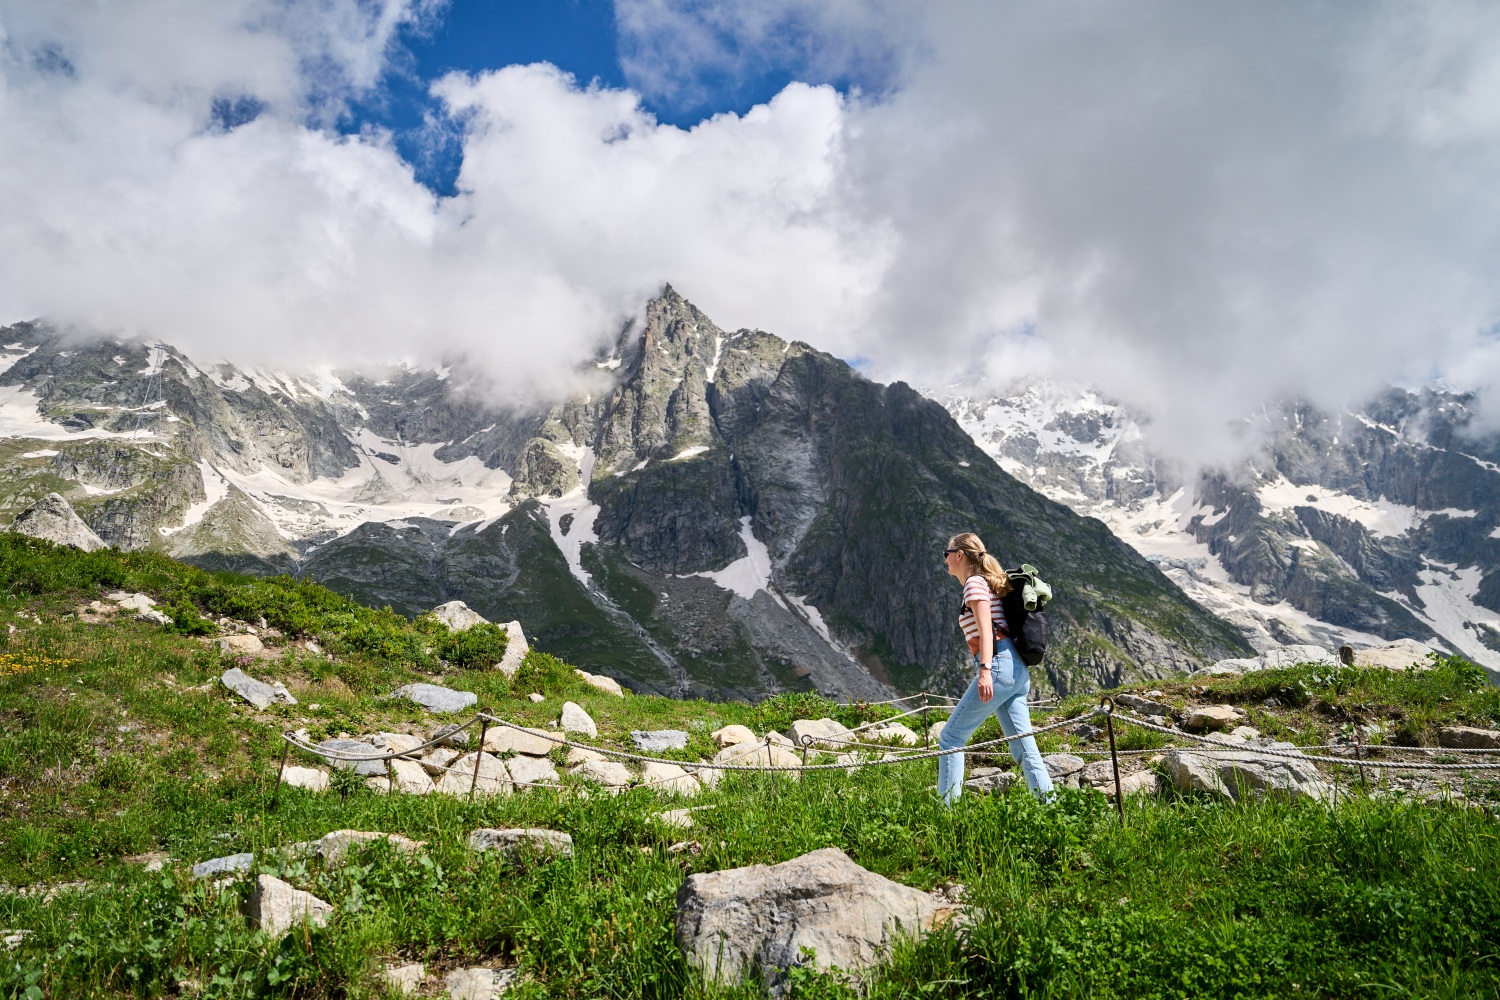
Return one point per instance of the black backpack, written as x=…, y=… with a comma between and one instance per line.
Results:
x=1027, y=625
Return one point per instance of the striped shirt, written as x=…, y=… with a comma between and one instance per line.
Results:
x=976, y=589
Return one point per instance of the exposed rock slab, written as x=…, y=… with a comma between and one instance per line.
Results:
x=257, y=693
x=477, y=983
x=435, y=698
x=516, y=648
x=1469, y=738
x=53, y=519
x=276, y=907
x=311, y=778
x=1398, y=655
x=657, y=740
x=1144, y=706
x=521, y=840
x=599, y=682
x=1239, y=776
x=224, y=866
x=730, y=923
x=532, y=742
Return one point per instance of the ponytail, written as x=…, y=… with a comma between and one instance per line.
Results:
x=984, y=564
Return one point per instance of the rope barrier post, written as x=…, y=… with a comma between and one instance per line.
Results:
x=805, y=740
x=286, y=748
x=484, y=729
x=926, y=728
x=1108, y=704
x=1362, y=783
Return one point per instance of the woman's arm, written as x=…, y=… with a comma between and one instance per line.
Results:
x=981, y=609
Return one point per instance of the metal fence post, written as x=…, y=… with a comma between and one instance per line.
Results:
x=1108, y=705
x=484, y=730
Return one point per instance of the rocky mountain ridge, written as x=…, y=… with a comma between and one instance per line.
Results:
x=718, y=512
x=1378, y=523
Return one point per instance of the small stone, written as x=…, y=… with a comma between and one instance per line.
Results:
x=452, y=735
x=394, y=742
x=606, y=684
x=220, y=866
x=13, y=939
x=1065, y=769
x=478, y=984
x=333, y=847
x=536, y=698
x=516, y=648
x=276, y=907
x=776, y=739
x=935, y=733
x=657, y=740
x=1245, y=732
x=611, y=774
x=528, y=771
x=435, y=698
x=532, y=742
x=680, y=819
x=1139, y=783
x=405, y=979
x=1143, y=706
x=760, y=755
x=494, y=776
x=154, y=617
x=1210, y=717
x=576, y=720
x=152, y=861
x=731, y=735
x=311, y=778
x=410, y=777
x=577, y=755
x=518, y=841
x=458, y=616
x=1084, y=731
x=669, y=778
x=686, y=846
x=990, y=779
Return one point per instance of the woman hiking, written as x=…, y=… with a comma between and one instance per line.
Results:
x=1001, y=681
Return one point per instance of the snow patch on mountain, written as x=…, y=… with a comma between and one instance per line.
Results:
x=580, y=529
x=749, y=573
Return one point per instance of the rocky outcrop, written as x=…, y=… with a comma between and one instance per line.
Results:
x=820, y=909
x=52, y=519
x=436, y=698
x=1240, y=776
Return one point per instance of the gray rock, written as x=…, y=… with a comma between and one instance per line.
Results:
x=52, y=518
x=410, y=777
x=516, y=648
x=1240, y=776
x=732, y=735
x=1398, y=655
x=1144, y=706
x=1099, y=772
x=224, y=865
x=405, y=980
x=677, y=819
x=532, y=742
x=333, y=847
x=989, y=779
x=369, y=768
x=435, y=698
x=536, y=698
x=276, y=907
x=458, y=616
x=527, y=771
x=601, y=683
x=825, y=733
x=1084, y=731
x=394, y=742
x=1138, y=783
x=611, y=774
x=1468, y=738
x=452, y=735
x=1228, y=668
x=892, y=731
x=240, y=645
x=478, y=984
x=257, y=693
x=657, y=740
x=576, y=720
x=154, y=617
x=494, y=777
x=134, y=602
x=1210, y=718
x=437, y=761
x=1290, y=656
x=669, y=778
x=731, y=923
x=520, y=841
x=1065, y=769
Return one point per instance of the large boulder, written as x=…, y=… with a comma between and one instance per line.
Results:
x=532, y=742
x=669, y=778
x=516, y=648
x=458, y=616
x=494, y=776
x=732, y=734
x=311, y=778
x=435, y=698
x=1469, y=738
x=1240, y=776
x=601, y=683
x=767, y=917
x=410, y=777
x=528, y=771
x=825, y=733
x=613, y=775
x=1396, y=655
x=52, y=518
x=275, y=907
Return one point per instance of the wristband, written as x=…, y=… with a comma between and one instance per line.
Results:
x=985, y=667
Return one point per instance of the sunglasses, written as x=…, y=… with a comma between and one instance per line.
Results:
x=949, y=552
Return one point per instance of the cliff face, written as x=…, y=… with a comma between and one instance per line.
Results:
x=722, y=513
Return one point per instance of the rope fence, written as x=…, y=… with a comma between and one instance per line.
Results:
x=898, y=755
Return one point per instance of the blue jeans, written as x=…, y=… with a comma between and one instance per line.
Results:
x=1008, y=704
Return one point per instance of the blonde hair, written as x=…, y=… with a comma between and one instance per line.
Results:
x=985, y=564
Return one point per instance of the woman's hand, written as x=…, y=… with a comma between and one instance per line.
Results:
x=986, y=685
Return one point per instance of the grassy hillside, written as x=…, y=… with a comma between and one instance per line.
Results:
x=115, y=741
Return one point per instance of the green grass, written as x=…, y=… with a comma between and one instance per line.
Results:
x=1378, y=897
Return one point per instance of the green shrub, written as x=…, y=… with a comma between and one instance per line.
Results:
x=476, y=646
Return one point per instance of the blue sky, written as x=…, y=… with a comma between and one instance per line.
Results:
x=578, y=36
